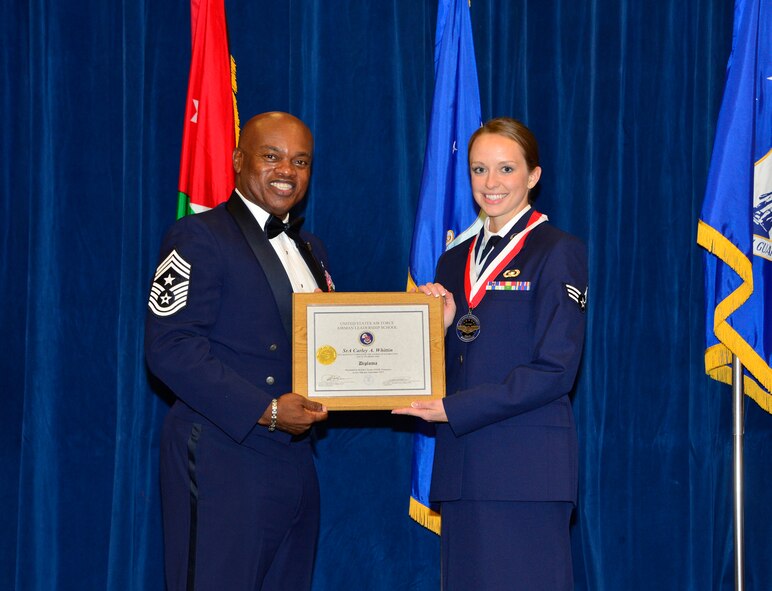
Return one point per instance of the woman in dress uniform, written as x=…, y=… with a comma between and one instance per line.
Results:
x=505, y=463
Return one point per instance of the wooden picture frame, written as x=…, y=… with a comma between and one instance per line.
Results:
x=371, y=350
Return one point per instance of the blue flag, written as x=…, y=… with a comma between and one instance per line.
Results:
x=736, y=221
x=446, y=211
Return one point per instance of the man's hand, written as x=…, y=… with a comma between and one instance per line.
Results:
x=295, y=414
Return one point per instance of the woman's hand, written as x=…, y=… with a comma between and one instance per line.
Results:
x=432, y=411
x=449, y=305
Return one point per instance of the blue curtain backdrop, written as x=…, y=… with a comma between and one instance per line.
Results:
x=623, y=96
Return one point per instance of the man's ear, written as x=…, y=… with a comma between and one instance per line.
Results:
x=238, y=158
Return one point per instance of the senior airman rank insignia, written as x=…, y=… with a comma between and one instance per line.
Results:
x=169, y=291
x=577, y=296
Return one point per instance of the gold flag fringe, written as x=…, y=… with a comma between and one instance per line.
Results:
x=234, y=90
x=411, y=284
x=424, y=516
x=718, y=358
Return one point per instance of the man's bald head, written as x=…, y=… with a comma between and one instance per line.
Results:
x=273, y=161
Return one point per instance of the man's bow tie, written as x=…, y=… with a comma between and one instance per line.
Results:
x=274, y=226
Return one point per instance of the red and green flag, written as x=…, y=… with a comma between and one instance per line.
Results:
x=211, y=118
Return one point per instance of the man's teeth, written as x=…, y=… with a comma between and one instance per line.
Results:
x=281, y=185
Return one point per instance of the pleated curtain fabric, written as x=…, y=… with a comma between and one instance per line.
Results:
x=623, y=97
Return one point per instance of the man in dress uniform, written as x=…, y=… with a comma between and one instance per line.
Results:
x=239, y=490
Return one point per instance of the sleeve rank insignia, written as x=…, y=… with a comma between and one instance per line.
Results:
x=576, y=295
x=169, y=291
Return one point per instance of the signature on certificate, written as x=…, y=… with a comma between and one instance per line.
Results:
x=333, y=380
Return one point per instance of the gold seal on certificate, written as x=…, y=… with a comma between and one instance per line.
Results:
x=367, y=351
x=326, y=355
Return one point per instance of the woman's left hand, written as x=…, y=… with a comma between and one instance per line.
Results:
x=449, y=305
x=432, y=411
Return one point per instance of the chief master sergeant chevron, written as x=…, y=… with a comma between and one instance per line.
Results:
x=239, y=490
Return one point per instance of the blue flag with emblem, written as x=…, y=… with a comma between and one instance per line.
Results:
x=736, y=221
x=446, y=211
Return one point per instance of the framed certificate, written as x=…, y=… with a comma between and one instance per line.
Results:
x=367, y=351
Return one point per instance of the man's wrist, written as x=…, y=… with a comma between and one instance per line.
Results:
x=274, y=414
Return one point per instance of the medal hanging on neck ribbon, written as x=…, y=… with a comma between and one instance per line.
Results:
x=468, y=326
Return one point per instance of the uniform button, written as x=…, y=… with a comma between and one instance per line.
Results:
x=269, y=380
x=272, y=347
x=461, y=359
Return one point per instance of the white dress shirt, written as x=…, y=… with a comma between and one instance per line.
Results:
x=298, y=272
x=479, y=262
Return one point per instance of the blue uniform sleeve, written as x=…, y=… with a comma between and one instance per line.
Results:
x=177, y=344
x=558, y=338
